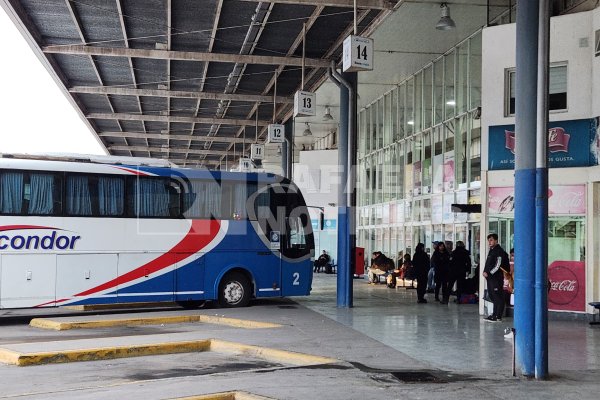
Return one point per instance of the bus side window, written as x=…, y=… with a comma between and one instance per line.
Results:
x=79, y=198
x=111, y=196
x=43, y=192
x=148, y=197
x=174, y=190
x=12, y=194
x=202, y=199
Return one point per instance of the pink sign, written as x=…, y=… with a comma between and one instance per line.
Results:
x=567, y=286
x=501, y=200
x=569, y=199
x=566, y=199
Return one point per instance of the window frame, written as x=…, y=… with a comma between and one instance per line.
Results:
x=509, y=72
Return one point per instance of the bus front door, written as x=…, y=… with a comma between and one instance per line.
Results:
x=296, y=266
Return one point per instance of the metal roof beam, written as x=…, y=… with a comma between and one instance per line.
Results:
x=172, y=118
x=159, y=136
x=170, y=150
x=123, y=91
x=77, y=49
x=129, y=60
x=373, y=4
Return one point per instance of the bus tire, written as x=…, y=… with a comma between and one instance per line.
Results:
x=234, y=290
x=191, y=304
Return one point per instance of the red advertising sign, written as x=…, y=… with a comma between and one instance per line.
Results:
x=567, y=286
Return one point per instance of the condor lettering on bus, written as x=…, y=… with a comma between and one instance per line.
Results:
x=47, y=242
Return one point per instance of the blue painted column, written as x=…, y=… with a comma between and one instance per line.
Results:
x=344, y=290
x=525, y=182
x=347, y=152
x=541, y=206
x=343, y=252
x=346, y=275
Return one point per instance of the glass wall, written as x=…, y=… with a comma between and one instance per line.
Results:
x=420, y=151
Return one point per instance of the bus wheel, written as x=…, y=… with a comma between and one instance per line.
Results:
x=191, y=304
x=234, y=290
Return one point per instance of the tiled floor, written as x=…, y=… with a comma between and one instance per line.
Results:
x=452, y=337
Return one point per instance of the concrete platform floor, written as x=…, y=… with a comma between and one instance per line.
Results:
x=386, y=332
x=451, y=337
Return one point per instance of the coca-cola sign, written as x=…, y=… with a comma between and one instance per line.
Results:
x=567, y=286
x=564, y=199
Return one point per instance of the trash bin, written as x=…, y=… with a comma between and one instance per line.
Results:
x=359, y=261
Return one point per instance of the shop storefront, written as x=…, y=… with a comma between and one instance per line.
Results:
x=566, y=240
x=572, y=159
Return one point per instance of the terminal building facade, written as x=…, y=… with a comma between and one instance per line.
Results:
x=445, y=136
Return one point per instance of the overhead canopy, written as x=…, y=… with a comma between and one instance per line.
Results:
x=187, y=80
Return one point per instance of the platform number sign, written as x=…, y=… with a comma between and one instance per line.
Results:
x=358, y=54
x=257, y=151
x=305, y=104
x=245, y=164
x=276, y=133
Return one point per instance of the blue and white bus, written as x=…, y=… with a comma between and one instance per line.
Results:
x=98, y=231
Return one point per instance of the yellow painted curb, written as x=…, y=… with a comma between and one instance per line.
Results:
x=226, y=396
x=8, y=356
x=108, y=353
x=266, y=353
x=46, y=323
x=237, y=323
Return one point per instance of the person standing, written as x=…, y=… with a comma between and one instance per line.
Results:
x=431, y=273
x=421, y=265
x=441, y=262
x=460, y=267
x=496, y=261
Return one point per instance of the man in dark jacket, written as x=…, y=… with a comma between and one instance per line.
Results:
x=321, y=262
x=421, y=264
x=441, y=263
x=497, y=260
x=460, y=266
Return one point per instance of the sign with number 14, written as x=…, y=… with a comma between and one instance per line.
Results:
x=358, y=54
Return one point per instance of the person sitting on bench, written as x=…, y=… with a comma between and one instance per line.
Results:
x=322, y=261
x=380, y=265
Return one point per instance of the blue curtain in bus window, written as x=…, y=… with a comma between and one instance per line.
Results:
x=212, y=199
x=191, y=200
x=111, y=196
x=151, y=198
x=262, y=205
x=78, y=196
x=11, y=193
x=203, y=200
x=239, y=201
x=41, y=200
